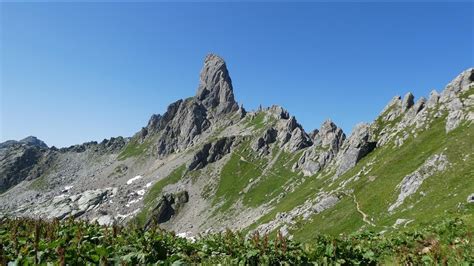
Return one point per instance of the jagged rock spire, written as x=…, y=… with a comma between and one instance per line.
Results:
x=215, y=86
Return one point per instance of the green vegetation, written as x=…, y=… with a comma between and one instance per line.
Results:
x=377, y=189
x=441, y=195
x=234, y=177
x=380, y=124
x=39, y=183
x=258, y=121
x=273, y=182
x=156, y=190
x=25, y=242
x=172, y=178
x=133, y=149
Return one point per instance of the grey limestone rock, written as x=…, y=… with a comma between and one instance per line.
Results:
x=326, y=144
x=215, y=86
x=262, y=143
x=167, y=206
x=433, y=100
x=419, y=105
x=411, y=182
x=357, y=146
x=459, y=84
x=298, y=140
x=18, y=161
x=408, y=101
x=292, y=137
x=279, y=112
x=185, y=120
x=331, y=136
x=76, y=205
x=211, y=152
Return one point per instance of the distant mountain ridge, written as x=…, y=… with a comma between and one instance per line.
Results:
x=208, y=164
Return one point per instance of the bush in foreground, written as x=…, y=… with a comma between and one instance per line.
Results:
x=28, y=241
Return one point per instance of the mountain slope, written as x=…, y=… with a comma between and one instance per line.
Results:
x=207, y=164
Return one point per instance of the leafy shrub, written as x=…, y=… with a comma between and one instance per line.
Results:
x=27, y=241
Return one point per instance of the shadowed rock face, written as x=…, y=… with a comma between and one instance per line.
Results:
x=167, y=206
x=355, y=148
x=17, y=162
x=211, y=152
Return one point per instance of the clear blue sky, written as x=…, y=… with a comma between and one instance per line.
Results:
x=78, y=72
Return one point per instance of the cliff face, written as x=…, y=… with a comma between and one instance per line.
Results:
x=207, y=164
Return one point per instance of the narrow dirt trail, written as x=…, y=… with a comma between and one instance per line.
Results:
x=365, y=217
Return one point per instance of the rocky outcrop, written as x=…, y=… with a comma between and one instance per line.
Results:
x=215, y=90
x=452, y=102
x=185, y=120
x=326, y=144
x=411, y=183
x=407, y=102
x=179, y=128
x=433, y=99
x=211, y=152
x=18, y=160
x=392, y=110
x=278, y=112
x=167, y=206
x=298, y=140
x=450, y=98
x=292, y=136
x=262, y=144
x=111, y=145
x=330, y=136
x=28, y=141
x=322, y=202
x=357, y=146
x=76, y=205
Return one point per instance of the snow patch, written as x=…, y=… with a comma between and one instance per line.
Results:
x=141, y=192
x=133, y=201
x=123, y=216
x=148, y=185
x=130, y=181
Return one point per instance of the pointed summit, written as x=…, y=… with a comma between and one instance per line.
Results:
x=215, y=86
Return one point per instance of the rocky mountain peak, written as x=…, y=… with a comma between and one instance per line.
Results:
x=32, y=140
x=330, y=135
x=215, y=89
x=29, y=141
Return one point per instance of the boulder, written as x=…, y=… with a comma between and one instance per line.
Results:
x=166, y=206
x=470, y=198
x=76, y=205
